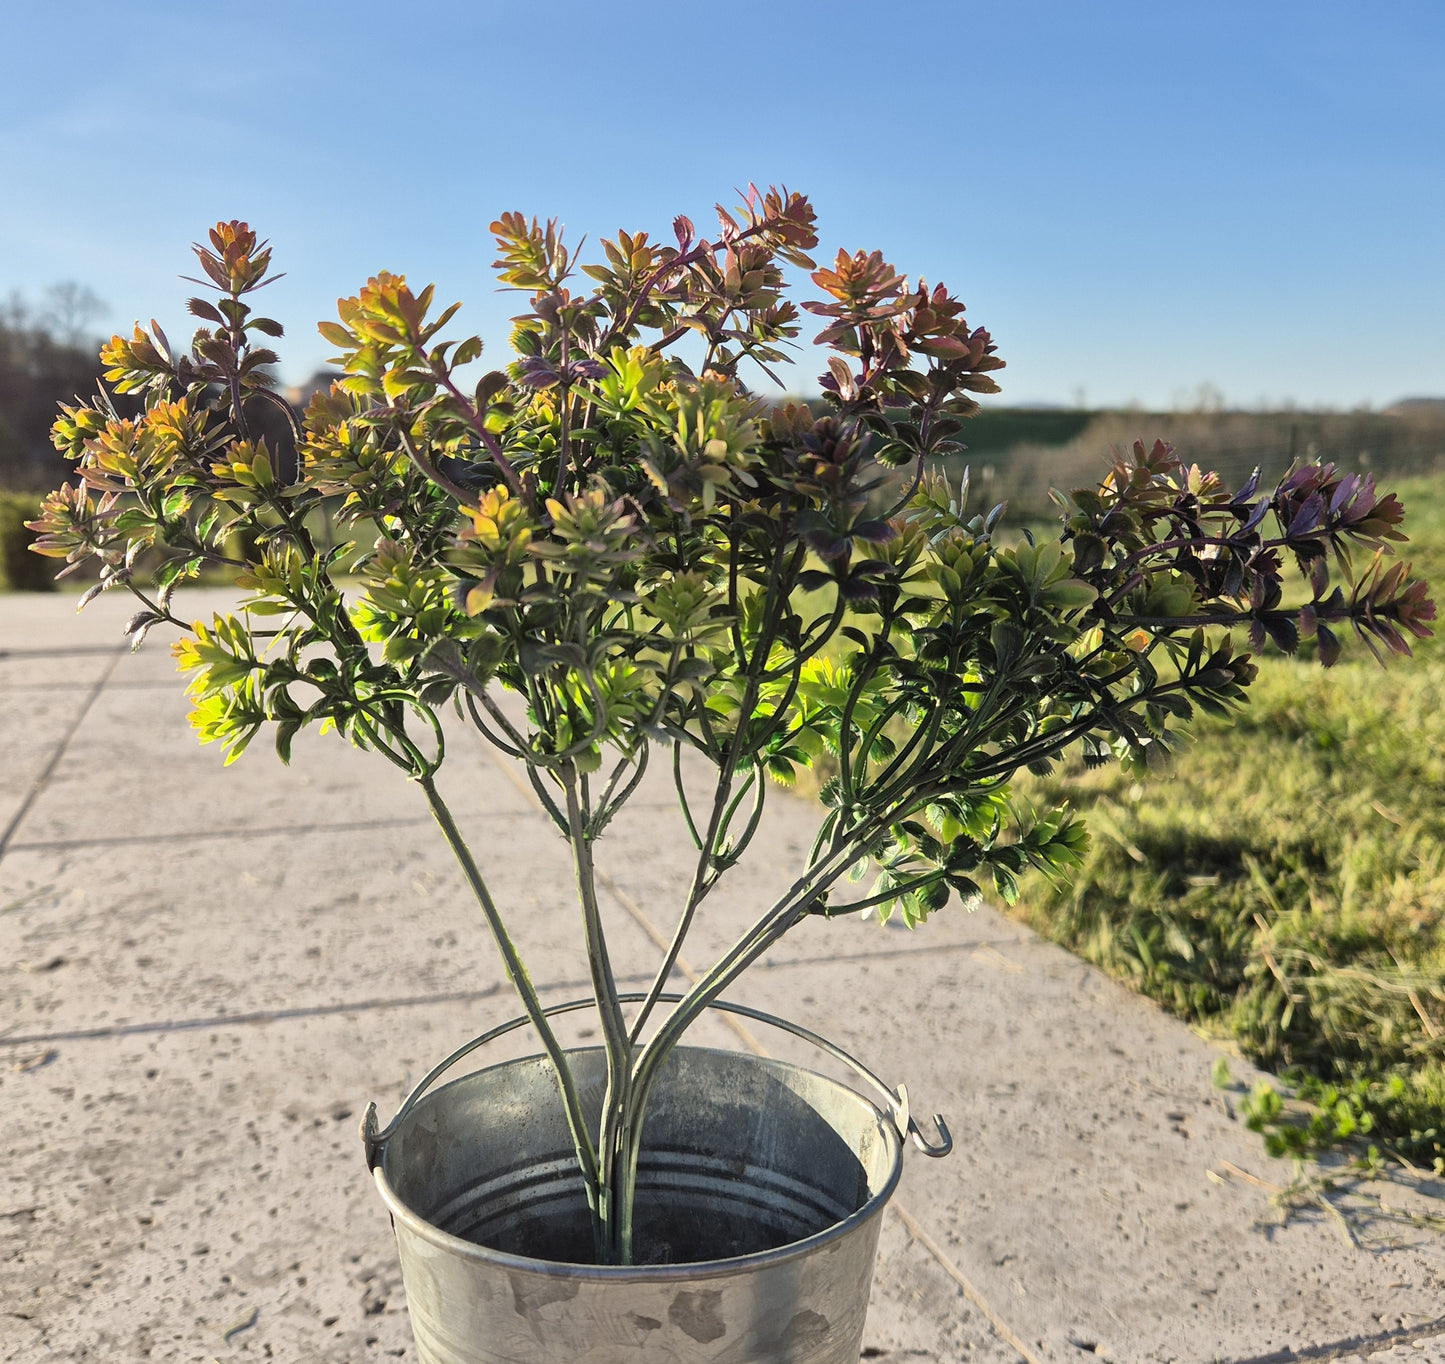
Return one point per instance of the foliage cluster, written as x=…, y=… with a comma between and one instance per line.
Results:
x=1333, y=1114
x=654, y=561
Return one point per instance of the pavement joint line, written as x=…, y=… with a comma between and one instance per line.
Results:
x=262, y=831
x=118, y=684
x=912, y=1225
x=284, y=1015
x=59, y=651
x=159, y=684
x=362, y=1006
x=399, y=1002
x=38, y=784
x=50, y=689
x=1001, y=1328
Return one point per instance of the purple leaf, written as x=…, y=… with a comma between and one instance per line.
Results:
x=1249, y=489
x=1308, y=516
x=1256, y=515
x=1346, y=490
x=536, y=372
x=874, y=532
x=1284, y=634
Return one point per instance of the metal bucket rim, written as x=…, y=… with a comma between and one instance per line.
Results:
x=691, y=1269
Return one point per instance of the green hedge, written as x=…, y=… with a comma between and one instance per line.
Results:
x=20, y=570
x=996, y=430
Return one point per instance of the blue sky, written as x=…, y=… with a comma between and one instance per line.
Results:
x=1136, y=199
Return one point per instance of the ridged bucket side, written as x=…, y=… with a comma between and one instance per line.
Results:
x=759, y=1190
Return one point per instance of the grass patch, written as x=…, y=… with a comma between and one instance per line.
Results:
x=1284, y=887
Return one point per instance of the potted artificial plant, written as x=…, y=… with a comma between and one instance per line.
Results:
x=653, y=563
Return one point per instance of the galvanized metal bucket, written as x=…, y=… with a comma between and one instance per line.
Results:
x=776, y=1173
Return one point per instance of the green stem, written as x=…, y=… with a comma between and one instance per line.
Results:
x=156, y=607
x=531, y=1004
x=614, y=1212
x=734, y=848
x=610, y=802
x=496, y=741
x=778, y=589
x=781, y=916
x=900, y=776
x=682, y=793
x=901, y=889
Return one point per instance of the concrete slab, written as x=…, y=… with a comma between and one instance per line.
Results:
x=33, y=724
x=183, y=1060
x=156, y=779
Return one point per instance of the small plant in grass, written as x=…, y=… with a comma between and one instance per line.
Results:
x=1310, y=1116
x=654, y=561
x=1309, y=1120
x=1334, y=1115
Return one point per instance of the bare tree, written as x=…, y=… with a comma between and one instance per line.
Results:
x=68, y=312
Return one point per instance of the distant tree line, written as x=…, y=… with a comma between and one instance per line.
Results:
x=1017, y=455
x=47, y=356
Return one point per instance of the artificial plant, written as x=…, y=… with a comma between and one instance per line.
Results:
x=657, y=561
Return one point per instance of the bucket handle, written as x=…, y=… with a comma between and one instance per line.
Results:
x=375, y=1140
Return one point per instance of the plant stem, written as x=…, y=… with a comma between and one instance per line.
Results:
x=682, y=793
x=716, y=828
x=614, y=1211
x=777, y=920
x=612, y=799
x=475, y=420
x=782, y=916
x=526, y=991
x=429, y=471
x=564, y=411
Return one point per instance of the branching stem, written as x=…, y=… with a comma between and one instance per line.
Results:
x=531, y=1004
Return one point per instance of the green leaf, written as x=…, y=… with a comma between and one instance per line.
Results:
x=337, y=335
x=1070, y=594
x=1006, y=883
x=285, y=732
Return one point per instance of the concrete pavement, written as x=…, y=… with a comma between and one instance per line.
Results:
x=205, y=975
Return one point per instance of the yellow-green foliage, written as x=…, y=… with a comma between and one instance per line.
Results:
x=1285, y=885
